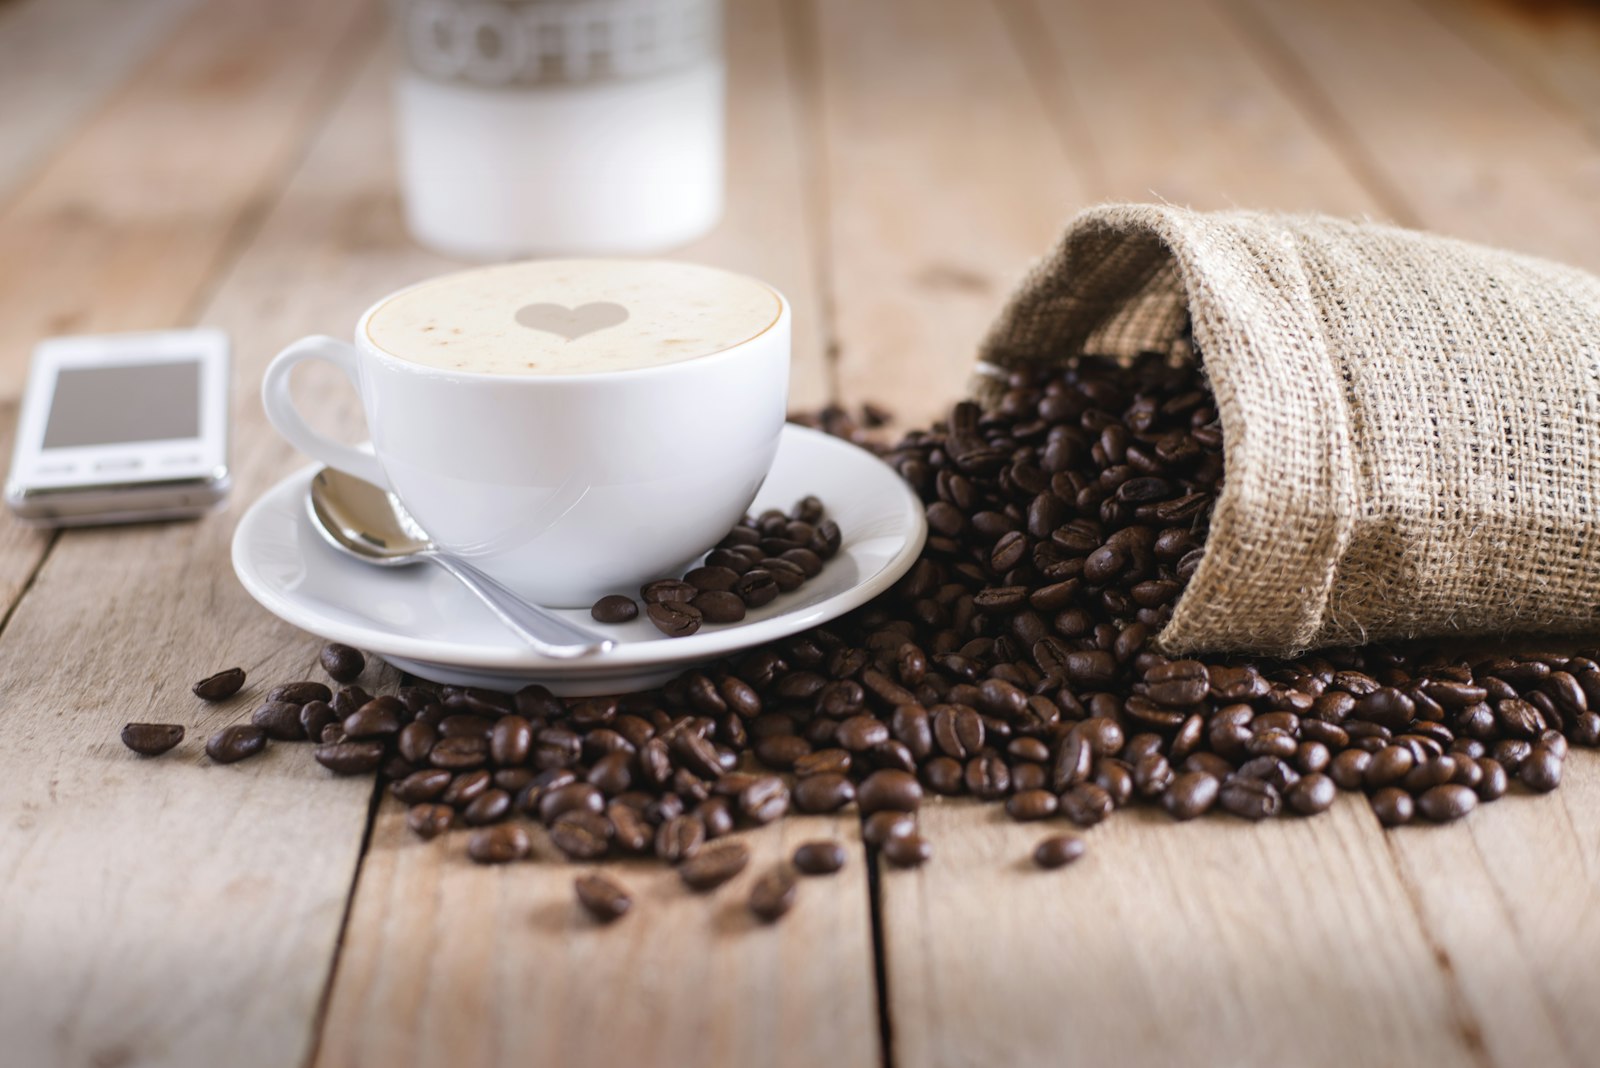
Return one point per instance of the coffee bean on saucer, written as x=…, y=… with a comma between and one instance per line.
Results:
x=675, y=619
x=603, y=899
x=614, y=608
x=221, y=686
x=734, y=561
x=785, y=573
x=719, y=606
x=235, y=743
x=151, y=739
x=712, y=578
x=757, y=587
x=341, y=662
x=664, y=590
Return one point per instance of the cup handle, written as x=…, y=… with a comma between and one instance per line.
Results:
x=286, y=418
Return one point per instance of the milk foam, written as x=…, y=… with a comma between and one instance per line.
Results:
x=569, y=317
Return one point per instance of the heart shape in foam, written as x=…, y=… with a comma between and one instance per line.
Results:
x=572, y=323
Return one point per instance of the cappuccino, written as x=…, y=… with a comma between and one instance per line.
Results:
x=572, y=317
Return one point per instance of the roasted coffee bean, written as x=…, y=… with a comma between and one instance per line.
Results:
x=1541, y=771
x=429, y=784
x=488, y=807
x=879, y=827
x=889, y=789
x=430, y=821
x=315, y=716
x=573, y=797
x=1152, y=775
x=298, y=693
x=1312, y=794
x=1190, y=795
x=1348, y=770
x=773, y=895
x=1032, y=805
x=819, y=858
x=467, y=787
x=499, y=844
x=664, y=591
x=151, y=739
x=280, y=720
x=765, y=799
x=860, y=733
x=1446, y=802
x=756, y=588
x=614, y=608
x=823, y=792
x=987, y=777
x=713, y=866
x=582, y=834
x=510, y=741
x=713, y=578
x=719, y=606
x=1393, y=806
x=221, y=686
x=459, y=754
x=629, y=831
x=239, y=742
x=342, y=663
x=1183, y=682
x=1494, y=782
x=907, y=850
x=679, y=839
x=1388, y=767
x=354, y=757
x=1251, y=799
x=379, y=717
x=823, y=762
x=602, y=898
x=675, y=619
x=1059, y=850
x=1086, y=804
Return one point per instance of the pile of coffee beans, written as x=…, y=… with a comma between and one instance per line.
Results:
x=762, y=556
x=1013, y=663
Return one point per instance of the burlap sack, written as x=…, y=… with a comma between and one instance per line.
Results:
x=1411, y=424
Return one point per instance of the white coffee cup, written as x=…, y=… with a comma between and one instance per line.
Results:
x=564, y=484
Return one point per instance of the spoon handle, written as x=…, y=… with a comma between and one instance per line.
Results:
x=544, y=631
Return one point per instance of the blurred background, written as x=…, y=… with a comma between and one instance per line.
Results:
x=892, y=165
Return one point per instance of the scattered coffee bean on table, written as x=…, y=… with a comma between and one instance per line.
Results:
x=605, y=900
x=341, y=662
x=151, y=739
x=1059, y=850
x=1013, y=663
x=773, y=895
x=819, y=858
x=221, y=686
x=235, y=743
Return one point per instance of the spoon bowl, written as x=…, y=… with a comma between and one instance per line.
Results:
x=366, y=522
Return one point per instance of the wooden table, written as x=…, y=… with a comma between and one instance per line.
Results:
x=895, y=165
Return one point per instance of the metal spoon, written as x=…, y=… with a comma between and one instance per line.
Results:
x=364, y=521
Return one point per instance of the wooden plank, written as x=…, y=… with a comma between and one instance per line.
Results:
x=123, y=227
x=1168, y=102
x=1213, y=942
x=944, y=179
x=1464, y=144
x=768, y=228
x=451, y=964
x=168, y=911
x=527, y=976
x=63, y=57
x=1553, y=47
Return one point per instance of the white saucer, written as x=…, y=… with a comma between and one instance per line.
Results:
x=419, y=619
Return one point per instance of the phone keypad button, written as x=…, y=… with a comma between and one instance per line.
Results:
x=130, y=464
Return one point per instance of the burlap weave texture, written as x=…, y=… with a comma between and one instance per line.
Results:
x=1411, y=424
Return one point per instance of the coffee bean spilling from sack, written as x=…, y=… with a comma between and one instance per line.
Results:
x=1012, y=663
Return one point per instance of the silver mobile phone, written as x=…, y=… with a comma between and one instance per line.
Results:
x=121, y=428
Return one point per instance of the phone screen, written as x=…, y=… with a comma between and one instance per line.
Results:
x=125, y=403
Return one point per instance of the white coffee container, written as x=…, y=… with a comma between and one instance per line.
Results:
x=552, y=127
